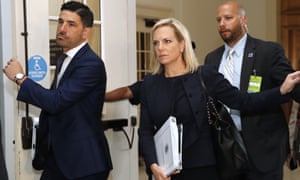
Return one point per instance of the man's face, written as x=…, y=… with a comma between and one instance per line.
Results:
x=230, y=24
x=70, y=30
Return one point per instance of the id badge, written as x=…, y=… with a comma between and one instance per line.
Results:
x=254, y=84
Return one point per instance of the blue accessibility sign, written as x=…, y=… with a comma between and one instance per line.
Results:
x=37, y=68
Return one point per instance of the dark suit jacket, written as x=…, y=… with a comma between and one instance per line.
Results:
x=71, y=115
x=156, y=100
x=265, y=133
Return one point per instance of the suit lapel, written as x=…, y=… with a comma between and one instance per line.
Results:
x=74, y=61
x=219, y=53
x=248, y=63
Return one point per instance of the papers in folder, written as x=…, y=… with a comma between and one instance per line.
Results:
x=168, y=144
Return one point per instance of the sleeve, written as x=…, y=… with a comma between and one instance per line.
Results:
x=276, y=65
x=220, y=89
x=282, y=65
x=146, y=130
x=135, y=88
x=86, y=76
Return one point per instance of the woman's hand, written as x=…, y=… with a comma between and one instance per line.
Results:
x=158, y=173
x=289, y=83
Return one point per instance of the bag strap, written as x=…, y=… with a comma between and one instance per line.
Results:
x=202, y=82
x=209, y=101
x=211, y=108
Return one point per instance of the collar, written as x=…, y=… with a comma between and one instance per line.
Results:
x=71, y=53
x=238, y=47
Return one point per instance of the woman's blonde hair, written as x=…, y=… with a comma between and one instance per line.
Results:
x=181, y=34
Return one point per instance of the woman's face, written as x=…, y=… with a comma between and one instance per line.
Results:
x=167, y=48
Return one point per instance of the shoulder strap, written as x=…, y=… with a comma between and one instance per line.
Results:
x=199, y=72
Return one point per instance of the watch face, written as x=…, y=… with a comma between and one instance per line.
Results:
x=19, y=76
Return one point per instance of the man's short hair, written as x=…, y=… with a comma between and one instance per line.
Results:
x=82, y=10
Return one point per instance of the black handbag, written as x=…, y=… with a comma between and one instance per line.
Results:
x=231, y=154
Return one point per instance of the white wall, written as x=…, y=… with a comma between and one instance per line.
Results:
x=17, y=160
x=119, y=55
x=7, y=99
x=38, y=43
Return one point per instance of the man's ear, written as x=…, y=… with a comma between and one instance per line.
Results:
x=86, y=32
x=244, y=20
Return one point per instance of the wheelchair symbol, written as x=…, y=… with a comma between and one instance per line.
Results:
x=37, y=66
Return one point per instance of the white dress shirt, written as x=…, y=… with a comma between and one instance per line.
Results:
x=237, y=61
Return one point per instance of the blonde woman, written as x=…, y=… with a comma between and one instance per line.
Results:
x=174, y=89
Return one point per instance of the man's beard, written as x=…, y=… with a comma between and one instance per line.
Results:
x=228, y=40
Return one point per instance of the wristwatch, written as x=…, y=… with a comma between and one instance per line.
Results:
x=19, y=76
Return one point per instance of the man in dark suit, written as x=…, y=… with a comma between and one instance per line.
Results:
x=71, y=109
x=257, y=65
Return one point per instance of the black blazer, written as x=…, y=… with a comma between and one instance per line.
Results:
x=71, y=115
x=265, y=133
x=156, y=101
